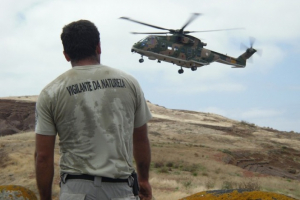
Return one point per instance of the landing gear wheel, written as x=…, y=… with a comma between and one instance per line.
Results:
x=180, y=71
x=194, y=68
x=141, y=60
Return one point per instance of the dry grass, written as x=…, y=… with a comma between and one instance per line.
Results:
x=18, y=169
x=189, y=169
x=194, y=169
x=3, y=157
x=187, y=156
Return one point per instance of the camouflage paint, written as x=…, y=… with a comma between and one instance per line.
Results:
x=185, y=51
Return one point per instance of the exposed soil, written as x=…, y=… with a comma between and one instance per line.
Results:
x=276, y=162
x=255, y=149
x=274, y=152
x=16, y=116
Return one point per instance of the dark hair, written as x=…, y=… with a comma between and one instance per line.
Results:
x=80, y=39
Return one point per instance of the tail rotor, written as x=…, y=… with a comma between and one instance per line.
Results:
x=250, y=50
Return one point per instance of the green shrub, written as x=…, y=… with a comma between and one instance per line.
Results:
x=159, y=164
x=169, y=164
x=163, y=170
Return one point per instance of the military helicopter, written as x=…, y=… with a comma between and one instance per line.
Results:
x=182, y=49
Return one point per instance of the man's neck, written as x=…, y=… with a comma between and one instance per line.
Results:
x=87, y=61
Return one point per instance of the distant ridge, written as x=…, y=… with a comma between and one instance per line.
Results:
x=188, y=148
x=16, y=116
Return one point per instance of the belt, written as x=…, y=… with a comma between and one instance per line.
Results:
x=91, y=178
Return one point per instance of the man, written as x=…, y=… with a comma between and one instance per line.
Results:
x=100, y=115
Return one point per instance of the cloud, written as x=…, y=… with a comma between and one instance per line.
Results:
x=31, y=51
x=294, y=88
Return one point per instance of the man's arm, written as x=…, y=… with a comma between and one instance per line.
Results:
x=44, y=164
x=142, y=156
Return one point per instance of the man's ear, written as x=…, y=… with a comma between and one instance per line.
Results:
x=67, y=56
x=98, y=49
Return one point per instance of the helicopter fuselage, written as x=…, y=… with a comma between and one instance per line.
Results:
x=184, y=51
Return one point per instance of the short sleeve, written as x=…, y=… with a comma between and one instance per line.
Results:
x=44, y=123
x=142, y=113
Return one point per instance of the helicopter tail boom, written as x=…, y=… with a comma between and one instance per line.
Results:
x=243, y=58
x=249, y=52
x=228, y=60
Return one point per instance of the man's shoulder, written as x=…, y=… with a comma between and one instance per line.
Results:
x=121, y=73
x=54, y=85
x=114, y=70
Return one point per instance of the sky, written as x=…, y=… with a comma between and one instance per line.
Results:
x=266, y=92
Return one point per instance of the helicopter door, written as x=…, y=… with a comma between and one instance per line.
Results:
x=189, y=53
x=176, y=51
x=199, y=53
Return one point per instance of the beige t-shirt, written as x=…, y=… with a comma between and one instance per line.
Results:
x=94, y=110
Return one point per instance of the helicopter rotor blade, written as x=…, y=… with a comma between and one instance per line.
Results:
x=150, y=32
x=146, y=24
x=192, y=18
x=243, y=47
x=252, y=41
x=228, y=29
x=251, y=49
x=259, y=52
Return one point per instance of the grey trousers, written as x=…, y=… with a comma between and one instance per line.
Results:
x=78, y=189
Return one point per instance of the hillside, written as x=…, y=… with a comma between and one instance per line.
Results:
x=191, y=152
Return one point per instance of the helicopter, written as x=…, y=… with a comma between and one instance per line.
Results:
x=182, y=49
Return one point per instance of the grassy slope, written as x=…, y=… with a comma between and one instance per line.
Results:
x=187, y=155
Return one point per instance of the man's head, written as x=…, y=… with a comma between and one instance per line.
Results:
x=81, y=40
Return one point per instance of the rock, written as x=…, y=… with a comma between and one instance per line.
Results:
x=236, y=194
x=16, y=192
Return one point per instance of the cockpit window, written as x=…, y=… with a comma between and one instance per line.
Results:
x=144, y=40
x=149, y=40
